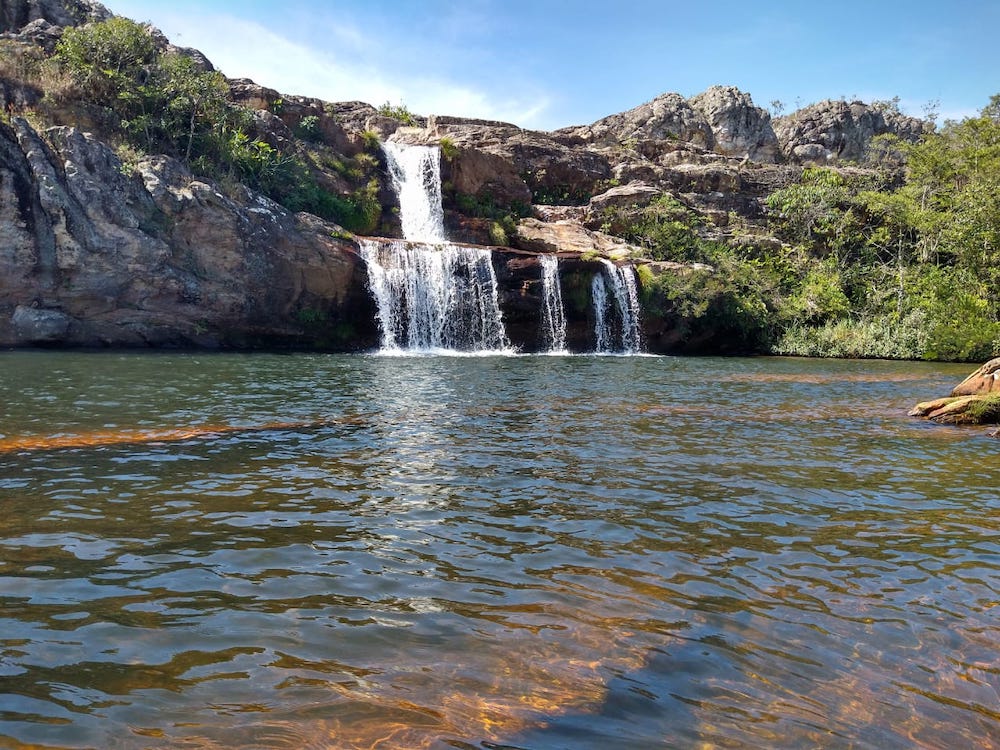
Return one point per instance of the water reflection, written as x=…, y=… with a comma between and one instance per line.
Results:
x=504, y=552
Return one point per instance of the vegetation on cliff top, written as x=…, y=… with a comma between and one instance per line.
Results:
x=116, y=77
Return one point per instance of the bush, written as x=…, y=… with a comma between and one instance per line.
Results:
x=109, y=61
x=308, y=128
x=873, y=338
x=397, y=112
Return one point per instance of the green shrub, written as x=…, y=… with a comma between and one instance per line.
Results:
x=371, y=141
x=448, y=148
x=109, y=61
x=397, y=112
x=873, y=338
x=984, y=410
x=308, y=128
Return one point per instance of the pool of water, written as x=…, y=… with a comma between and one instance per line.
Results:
x=307, y=551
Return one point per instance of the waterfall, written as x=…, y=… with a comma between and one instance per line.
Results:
x=625, y=311
x=415, y=172
x=599, y=293
x=431, y=294
x=553, y=317
x=435, y=297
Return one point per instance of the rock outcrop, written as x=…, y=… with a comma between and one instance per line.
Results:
x=93, y=256
x=648, y=129
x=837, y=131
x=739, y=128
x=15, y=15
x=976, y=400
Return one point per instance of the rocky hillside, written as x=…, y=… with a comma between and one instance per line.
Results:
x=107, y=245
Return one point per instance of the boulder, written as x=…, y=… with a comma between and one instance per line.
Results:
x=36, y=326
x=570, y=237
x=633, y=195
x=976, y=400
x=984, y=380
x=739, y=128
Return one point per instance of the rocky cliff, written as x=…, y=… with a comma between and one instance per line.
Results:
x=98, y=253
x=94, y=255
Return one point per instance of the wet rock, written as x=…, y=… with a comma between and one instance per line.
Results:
x=35, y=326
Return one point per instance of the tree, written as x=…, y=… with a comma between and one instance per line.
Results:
x=195, y=99
x=109, y=61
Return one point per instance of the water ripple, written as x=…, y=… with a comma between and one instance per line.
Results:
x=361, y=552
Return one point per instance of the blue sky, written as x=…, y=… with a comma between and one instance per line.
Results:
x=546, y=64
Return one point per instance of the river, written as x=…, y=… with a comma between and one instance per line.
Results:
x=311, y=551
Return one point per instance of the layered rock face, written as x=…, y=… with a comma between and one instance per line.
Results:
x=93, y=257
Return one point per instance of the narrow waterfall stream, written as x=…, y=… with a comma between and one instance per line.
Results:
x=416, y=177
x=553, y=316
x=616, y=315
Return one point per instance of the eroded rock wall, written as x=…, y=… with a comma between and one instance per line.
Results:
x=94, y=256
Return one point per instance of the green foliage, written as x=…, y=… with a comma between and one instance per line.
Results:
x=818, y=297
x=108, y=61
x=397, y=112
x=666, y=229
x=310, y=316
x=870, y=338
x=448, y=148
x=818, y=213
x=165, y=102
x=159, y=101
x=985, y=410
x=371, y=141
x=308, y=128
x=501, y=231
x=560, y=194
x=735, y=299
x=960, y=324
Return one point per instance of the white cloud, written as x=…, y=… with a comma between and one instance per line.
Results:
x=342, y=71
